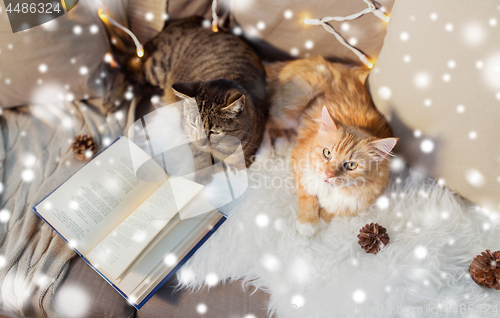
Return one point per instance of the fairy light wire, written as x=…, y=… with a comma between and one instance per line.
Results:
x=138, y=45
x=324, y=23
x=215, y=18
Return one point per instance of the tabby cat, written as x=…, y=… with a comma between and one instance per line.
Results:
x=342, y=141
x=221, y=72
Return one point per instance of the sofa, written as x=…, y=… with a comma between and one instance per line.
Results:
x=276, y=31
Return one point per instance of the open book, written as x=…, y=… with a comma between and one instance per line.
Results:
x=136, y=234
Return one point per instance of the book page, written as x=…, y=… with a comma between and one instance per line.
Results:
x=98, y=197
x=117, y=251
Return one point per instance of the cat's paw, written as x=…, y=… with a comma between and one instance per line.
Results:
x=306, y=229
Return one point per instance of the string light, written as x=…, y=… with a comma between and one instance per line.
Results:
x=106, y=18
x=108, y=58
x=324, y=23
x=215, y=18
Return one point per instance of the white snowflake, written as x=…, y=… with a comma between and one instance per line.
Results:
x=353, y=41
x=309, y=44
x=94, y=29
x=417, y=133
x=201, y=309
x=384, y=92
x=474, y=34
x=404, y=36
x=359, y=296
x=212, y=279
x=149, y=16
x=288, y=14
x=206, y=24
x=262, y=220
x=72, y=243
x=27, y=175
x=129, y=95
x=383, y=202
x=50, y=26
x=420, y=252
x=77, y=29
x=170, y=259
x=4, y=216
x=42, y=68
x=237, y=31
x=298, y=301
x=427, y=146
x=475, y=178
x=186, y=275
x=83, y=70
x=491, y=72
x=397, y=164
x=422, y=80
x=73, y=302
x=29, y=160
x=271, y=263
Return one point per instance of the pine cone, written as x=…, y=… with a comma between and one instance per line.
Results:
x=84, y=147
x=485, y=269
x=373, y=237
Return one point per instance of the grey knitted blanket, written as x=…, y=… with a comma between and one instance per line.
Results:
x=35, y=158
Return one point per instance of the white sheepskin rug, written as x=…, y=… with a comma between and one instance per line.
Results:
x=423, y=271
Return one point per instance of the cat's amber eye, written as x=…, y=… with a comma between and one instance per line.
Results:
x=327, y=154
x=351, y=165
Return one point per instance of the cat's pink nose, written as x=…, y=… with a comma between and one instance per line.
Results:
x=329, y=175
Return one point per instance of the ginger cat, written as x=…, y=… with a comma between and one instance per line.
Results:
x=342, y=141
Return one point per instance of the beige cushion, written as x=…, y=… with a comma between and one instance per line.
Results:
x=281, y=35
x=438, y=80
x=64, y=53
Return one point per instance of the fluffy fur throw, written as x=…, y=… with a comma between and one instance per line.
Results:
x=434, y=233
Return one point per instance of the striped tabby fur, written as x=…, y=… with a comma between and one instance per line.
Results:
x=221, y=71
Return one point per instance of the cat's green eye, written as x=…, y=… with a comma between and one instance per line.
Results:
x=351, y=165
x=327, y=154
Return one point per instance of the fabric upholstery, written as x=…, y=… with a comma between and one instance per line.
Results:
x=226, y=300
x=280, y=36
x=73, y=61
x=84, y=294
x=438, y=80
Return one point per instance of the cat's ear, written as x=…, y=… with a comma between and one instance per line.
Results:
x=235, y=104
x=327, y=123
x=362, y=74
x=184, y=90
x=383, y=147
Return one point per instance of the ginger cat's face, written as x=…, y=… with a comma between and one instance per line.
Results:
x=344, y=157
